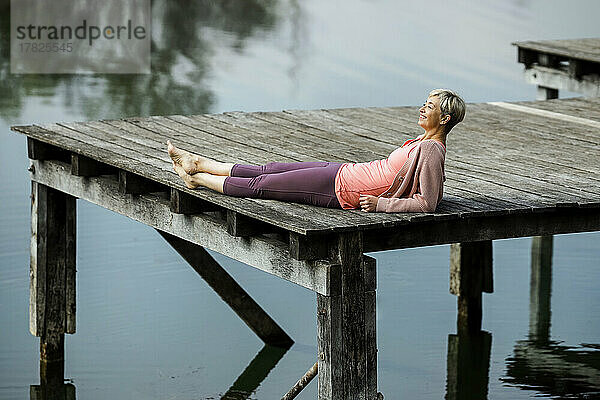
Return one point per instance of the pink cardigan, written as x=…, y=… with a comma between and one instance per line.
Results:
x=418, y=186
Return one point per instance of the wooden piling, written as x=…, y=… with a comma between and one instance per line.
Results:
x=346, y=326
x=52, y=274
x=471, y=273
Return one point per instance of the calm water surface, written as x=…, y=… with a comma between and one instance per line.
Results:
x=149, y=328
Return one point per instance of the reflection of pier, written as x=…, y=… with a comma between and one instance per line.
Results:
x=468, y=366
x=52, y=386
x=540, y=363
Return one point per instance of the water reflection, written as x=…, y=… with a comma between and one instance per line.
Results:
x=540, y=363
x=64, y=392
x=258, y=369
x=555, y=370
x=181, y=52
x=53, y=387
x=52, y=384
x=468, y=366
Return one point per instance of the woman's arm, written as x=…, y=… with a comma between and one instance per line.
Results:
x=431, y=178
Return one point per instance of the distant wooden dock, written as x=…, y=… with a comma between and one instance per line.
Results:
x=568, y=64
x=512, y=169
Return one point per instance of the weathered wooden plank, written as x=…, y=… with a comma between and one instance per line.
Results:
x=306, y=128
x=272, y=145
x=587, y=108
x=264, y=253
x=336, y=151
x=252, y=128
x=583, y=49
x=230, y=291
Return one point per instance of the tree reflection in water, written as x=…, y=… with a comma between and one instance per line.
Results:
x=181, y=52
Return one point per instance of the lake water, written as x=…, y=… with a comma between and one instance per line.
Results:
x=149, y=328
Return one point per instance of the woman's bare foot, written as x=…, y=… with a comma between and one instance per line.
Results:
x=188, y=179
x=191, y=163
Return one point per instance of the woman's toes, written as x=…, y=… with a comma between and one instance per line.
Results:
x=187, y=179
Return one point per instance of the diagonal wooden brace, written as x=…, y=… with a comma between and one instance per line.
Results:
x=230, y=291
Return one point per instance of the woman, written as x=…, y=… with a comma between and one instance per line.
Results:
x=409, y=180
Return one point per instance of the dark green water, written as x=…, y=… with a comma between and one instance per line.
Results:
x=149, y=328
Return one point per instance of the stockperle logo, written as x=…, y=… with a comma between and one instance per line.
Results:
x=80, y=36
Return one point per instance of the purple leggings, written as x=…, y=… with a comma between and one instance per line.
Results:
x=301, y=182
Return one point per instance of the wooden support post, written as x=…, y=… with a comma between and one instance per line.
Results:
x=230, y=291
x=370, y=272
x=346, y=328
x=52, y=275
x=540, y=288
x=471, y=273
x=546, y=93
x=468, y=366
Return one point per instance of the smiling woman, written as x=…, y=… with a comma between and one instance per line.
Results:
x=409, y=180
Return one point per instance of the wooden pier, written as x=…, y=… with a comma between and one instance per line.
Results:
x=553, y=65
x=512, y=170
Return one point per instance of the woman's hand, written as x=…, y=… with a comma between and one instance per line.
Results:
x=368, y=203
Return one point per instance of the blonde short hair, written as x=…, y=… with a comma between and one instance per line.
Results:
x=450, y=104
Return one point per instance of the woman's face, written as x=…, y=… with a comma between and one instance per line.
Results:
x=430, y=114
